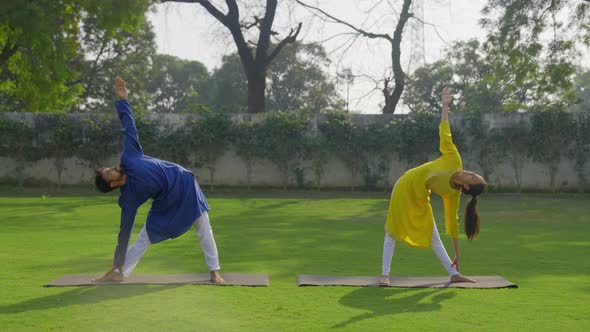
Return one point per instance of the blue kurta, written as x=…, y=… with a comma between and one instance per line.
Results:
x=178, y=199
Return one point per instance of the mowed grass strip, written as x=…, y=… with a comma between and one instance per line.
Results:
x=539, y=242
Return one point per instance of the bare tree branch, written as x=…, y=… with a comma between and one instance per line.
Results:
x=361, y=31
x=289, y=39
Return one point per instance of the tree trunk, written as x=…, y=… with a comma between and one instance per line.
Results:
x=392, y=100
x=256, y=92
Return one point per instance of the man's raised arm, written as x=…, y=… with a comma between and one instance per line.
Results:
x=131, y=145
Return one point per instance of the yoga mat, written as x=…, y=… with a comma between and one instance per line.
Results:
x=406, y=282
x=231, y=279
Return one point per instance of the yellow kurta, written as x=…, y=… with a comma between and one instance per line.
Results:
x=409, y=218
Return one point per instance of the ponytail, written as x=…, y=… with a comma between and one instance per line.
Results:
x=471, y=216
x=471, y=219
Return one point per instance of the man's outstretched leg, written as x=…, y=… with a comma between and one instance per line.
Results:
x=135, y=252
x=205, y=235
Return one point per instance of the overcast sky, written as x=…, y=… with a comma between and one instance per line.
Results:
x=188, y=32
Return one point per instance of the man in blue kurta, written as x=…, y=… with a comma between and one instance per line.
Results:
x=178, y=202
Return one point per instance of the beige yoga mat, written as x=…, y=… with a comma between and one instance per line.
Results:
x=231, y=279
x=406, y=282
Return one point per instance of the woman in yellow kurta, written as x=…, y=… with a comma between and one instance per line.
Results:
x=410, y=219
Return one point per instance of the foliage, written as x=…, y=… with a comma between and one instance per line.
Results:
x=582, y=88
x=317, y=152
x=227, y=88
x=283, y=141
x=209, y=136
x=515, y=141
x=366, y=148
x=122, y=52
x=175, y=84
x=485, y=146
x=63, y=141
x=549, y=140
x=16, y=142
x=418, y=138
x=99, y=139
x=579, y=150
x=425, y=85
x=530, y=72
x=247, y=140
x=39, y=46
x=298, y=80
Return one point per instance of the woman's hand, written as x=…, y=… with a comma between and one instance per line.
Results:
x=456, y=263
x=446, y=101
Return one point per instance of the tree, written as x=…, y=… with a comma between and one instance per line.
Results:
x=297, y=80
x=425, y=87
x=175, y=84
x=531, y=72
x=391, y=95
x=255, y=60
x=121, y=52
x=227, y=87
x=40, y=39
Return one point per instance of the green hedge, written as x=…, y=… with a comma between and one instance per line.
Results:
x=300, y=145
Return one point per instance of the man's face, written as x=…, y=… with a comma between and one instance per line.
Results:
x=110, y=174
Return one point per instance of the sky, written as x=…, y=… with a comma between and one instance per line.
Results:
x=189, y=32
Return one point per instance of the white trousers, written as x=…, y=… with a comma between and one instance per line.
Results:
x=203, y=231
x=435, y=243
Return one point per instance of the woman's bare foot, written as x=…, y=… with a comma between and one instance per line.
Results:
x=460, y=278
x=384, y=281
x=216, y=277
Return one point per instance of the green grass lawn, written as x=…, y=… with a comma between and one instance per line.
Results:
x=540, y=242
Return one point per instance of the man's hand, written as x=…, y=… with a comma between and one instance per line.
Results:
x=110, y=276
x=120, y=88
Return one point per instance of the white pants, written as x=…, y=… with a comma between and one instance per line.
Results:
x=435, y=243
x=203, y=231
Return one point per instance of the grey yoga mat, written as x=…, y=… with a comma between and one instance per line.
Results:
x=231, y=279
x=407, y=282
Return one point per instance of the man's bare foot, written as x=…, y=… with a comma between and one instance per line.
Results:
x=460, y=278
x=110, y=276
x=216, y=277
x=384, y=281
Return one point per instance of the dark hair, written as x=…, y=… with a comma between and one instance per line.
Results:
x=101, y=184
x=471, y=215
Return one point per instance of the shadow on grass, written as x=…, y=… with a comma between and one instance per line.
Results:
x=83, y=295
x=388, y=301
